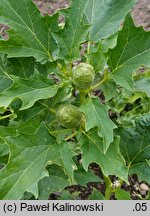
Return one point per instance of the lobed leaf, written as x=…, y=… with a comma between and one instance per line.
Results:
x=98, y=117
x=111, y=163
x=96, y=195
x=26, y=164
x=56, y=182
x=82, y=177
x=70, y=166
x=131, y=52
x=30, y=34
x=143, y=85
x=135, y=147
x=29, y=91
x=74, y=31
x=68, y=196
x=106, y=16
x=23, y=67
x=96, y=57
x=29, y=154
x=6, y=80
x=121, y=194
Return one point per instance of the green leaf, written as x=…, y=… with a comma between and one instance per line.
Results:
x=29, y=91
x=29, y=155
x=28, y=196
x=62, y=94
x=111, y=163
x=5, y=79
x=56, y=182
x=5, y=131
x=3, y=161
x=135, y=147
x=74, y=31
x=106, y=16
x=109, y=43
x=4, y=150
x=98, y=118
x=30, y=34
x=35, y=111
x=29, y=127
x=143, y=85
x=67, y=160
x=132, y=51
x=47, y=68
x=39, y=112
x=96, y=195
x=82, y=177
x=26, y=164
x=122, y=194
x=96, y=57
x=23, y=67
x=67, y=196
x=109, y=89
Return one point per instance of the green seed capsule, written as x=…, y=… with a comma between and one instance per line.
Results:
x=69, y=116
x=83, y=76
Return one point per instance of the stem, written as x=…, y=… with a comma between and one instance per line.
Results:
x=71, y=136
x=120, y=181
x=54, y=121
x=109, y=187
x=60, y=131
x=88, y=47
x=52, y=111
x=98, y=84
x=102, y=81
x=62, y=69
x=2, y=30
x=6, y=116
x=43, y=104
x=82, y=97
x=70, y=71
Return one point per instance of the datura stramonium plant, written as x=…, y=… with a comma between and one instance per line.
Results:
x=83, y=77
x=69, y=116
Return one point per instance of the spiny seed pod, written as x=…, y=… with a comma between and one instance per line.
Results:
x=83, y=76
x=69, y=116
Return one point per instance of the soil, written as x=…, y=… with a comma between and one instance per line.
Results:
x=141, y=13
x=50, y=6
